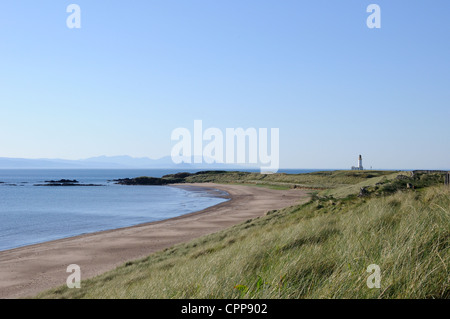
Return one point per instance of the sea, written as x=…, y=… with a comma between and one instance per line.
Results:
x=31, y=214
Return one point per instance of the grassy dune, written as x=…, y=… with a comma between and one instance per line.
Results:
x=317, y=180
x=320, y=249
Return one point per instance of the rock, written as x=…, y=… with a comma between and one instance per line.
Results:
x=143, y=181
x=363, y=192
x=65, y=182
x=178, y=175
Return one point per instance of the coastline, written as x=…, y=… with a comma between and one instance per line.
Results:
x=212, y=192
x=26, y=271
x=130, y=211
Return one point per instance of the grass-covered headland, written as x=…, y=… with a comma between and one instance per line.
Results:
x=320, y=249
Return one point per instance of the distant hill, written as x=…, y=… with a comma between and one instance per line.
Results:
x=106, y=162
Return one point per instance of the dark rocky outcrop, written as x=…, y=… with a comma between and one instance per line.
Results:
x=65, y=182
x=363, y=192
x=177, y=178
x=177, y=175
x=143, y=181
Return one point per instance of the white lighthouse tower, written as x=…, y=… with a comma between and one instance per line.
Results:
x=360, y=166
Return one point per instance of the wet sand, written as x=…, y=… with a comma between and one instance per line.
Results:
x=29, y=270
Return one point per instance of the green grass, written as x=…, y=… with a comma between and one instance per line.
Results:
x=320, y=249
x=324, y=180
x=316, y=180
x=347, y=190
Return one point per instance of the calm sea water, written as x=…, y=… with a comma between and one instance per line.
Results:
x=31, y=214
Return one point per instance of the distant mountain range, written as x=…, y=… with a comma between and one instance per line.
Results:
x=107, y=162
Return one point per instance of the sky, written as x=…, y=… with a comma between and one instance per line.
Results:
x=137, y=70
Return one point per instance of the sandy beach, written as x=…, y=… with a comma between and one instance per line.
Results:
x=29, y=270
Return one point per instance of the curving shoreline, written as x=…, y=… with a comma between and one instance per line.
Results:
x=29, y=270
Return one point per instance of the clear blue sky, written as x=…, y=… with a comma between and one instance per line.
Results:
x=136, y=70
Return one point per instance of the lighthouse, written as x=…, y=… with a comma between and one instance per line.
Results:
x=360, y=167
